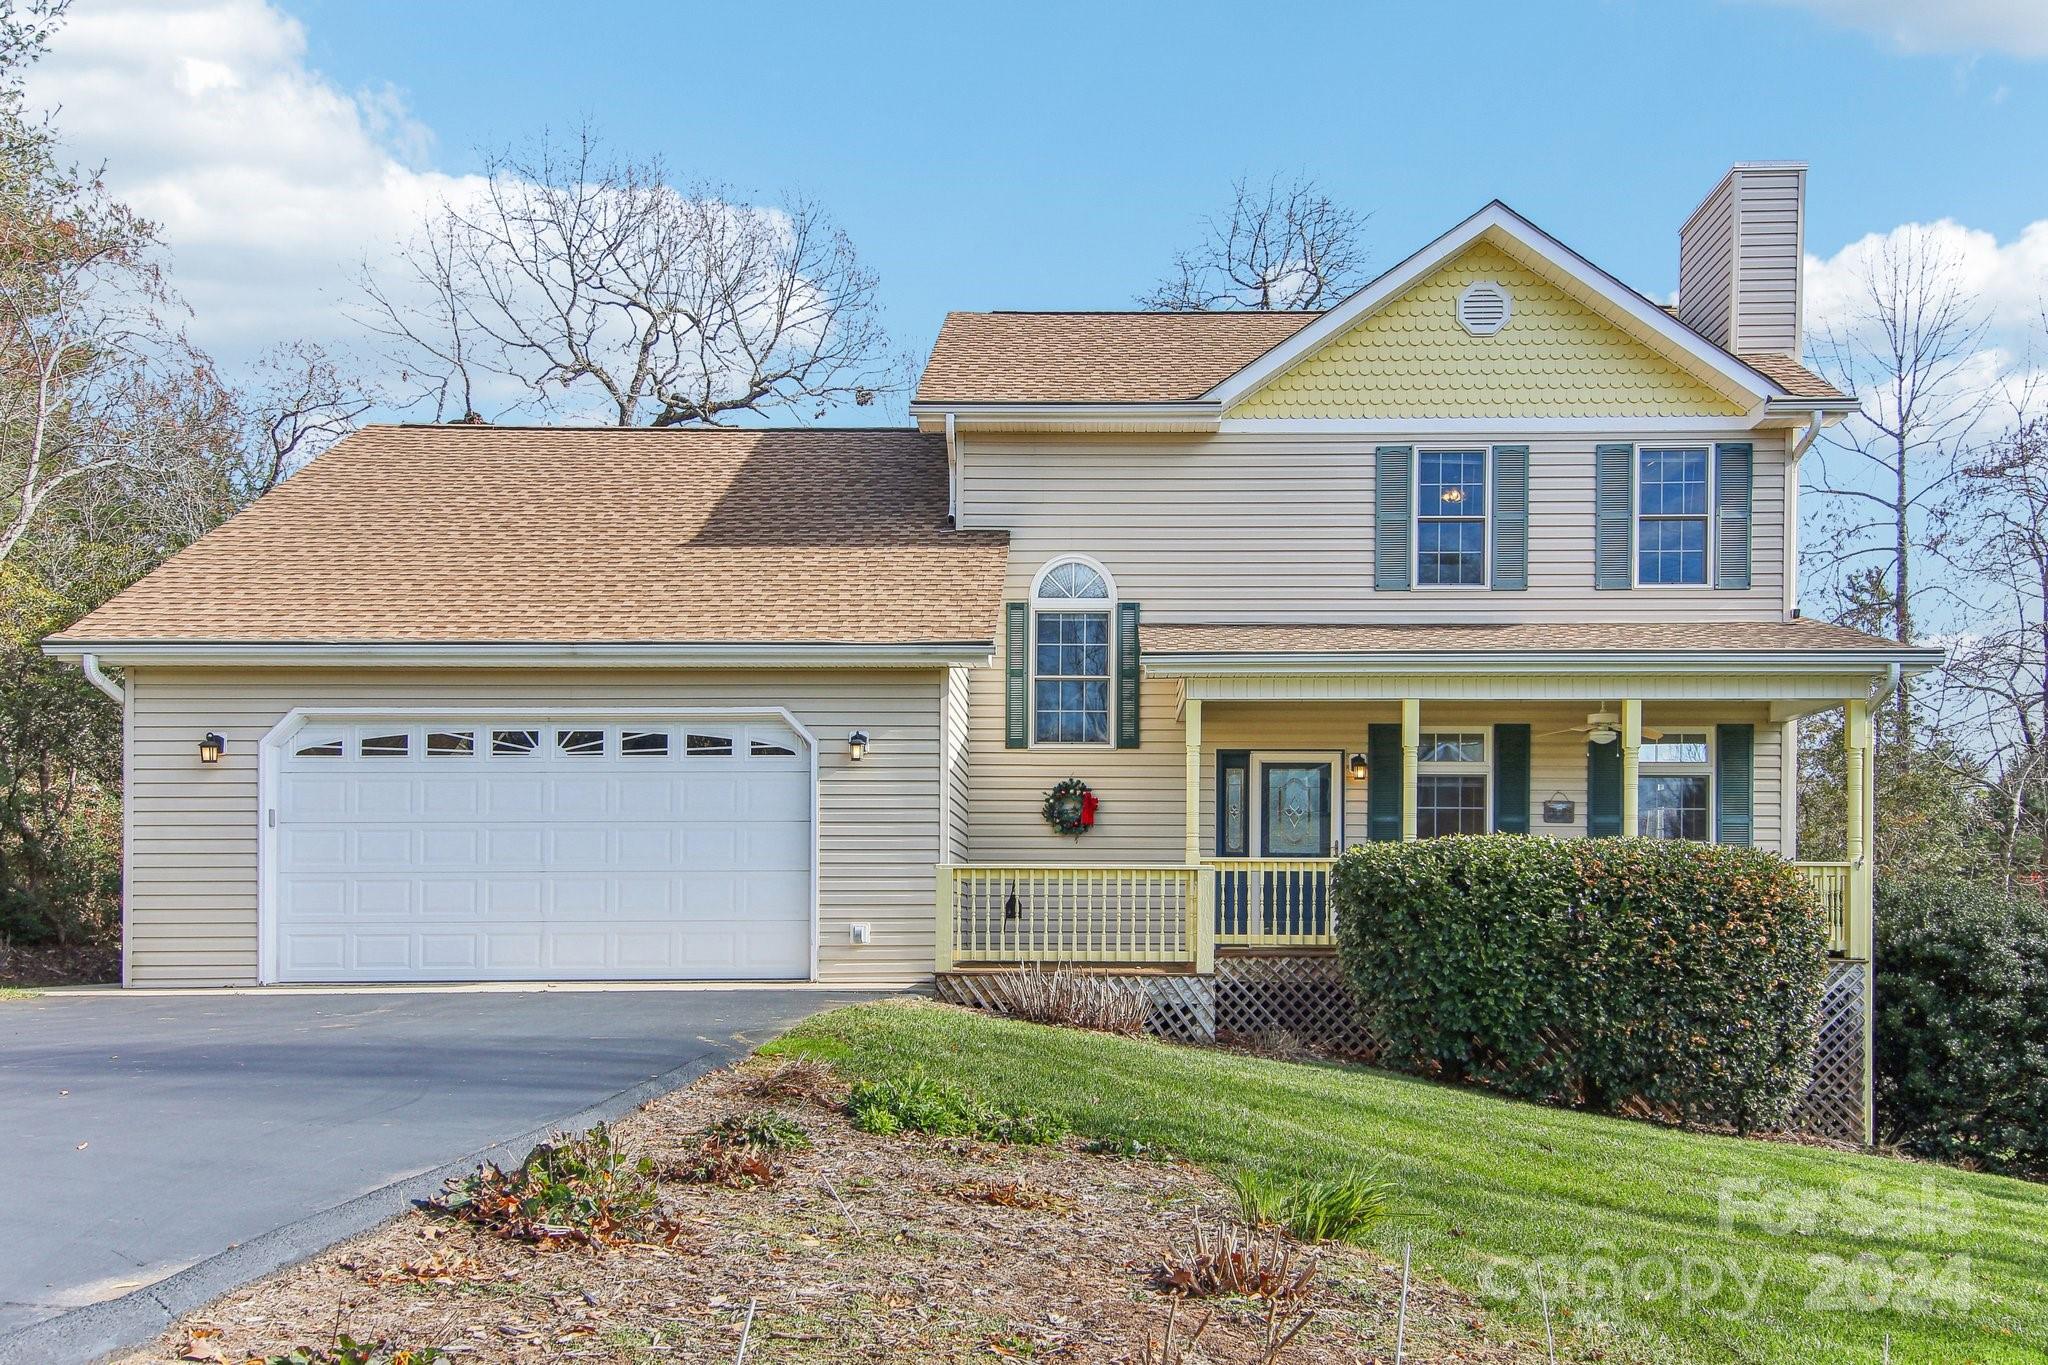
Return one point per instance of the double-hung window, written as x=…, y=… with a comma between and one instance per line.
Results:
x=1674, y=786
x=1451, y=774
x=1671, y=515
x=1450, y=518
x=1071, y=606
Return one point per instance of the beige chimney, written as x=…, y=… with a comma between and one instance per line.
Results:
x=1739, y=258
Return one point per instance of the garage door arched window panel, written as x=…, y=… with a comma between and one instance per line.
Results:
x=514, y=743
x=643, y=743
x=707, y=745
x=451, y=744
x=504, y=847
x=580, y=743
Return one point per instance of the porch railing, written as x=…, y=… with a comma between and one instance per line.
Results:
x=1168, y=915
x=1273, y=902
x=1135, y=914
x=1830, y=881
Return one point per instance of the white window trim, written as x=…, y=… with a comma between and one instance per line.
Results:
x=1461, y=768
x=1485, y=583
x=1635, y=515
x=1065, y=605
x=1255, y=807
x=1708, y=769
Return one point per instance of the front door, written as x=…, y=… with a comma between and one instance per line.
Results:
x=1295, y=819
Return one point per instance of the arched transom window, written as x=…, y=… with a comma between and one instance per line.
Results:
x=1072, y=602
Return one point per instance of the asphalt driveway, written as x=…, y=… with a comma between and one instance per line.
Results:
x=144, y=1133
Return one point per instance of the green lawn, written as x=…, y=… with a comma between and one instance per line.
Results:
x=1822, y=1254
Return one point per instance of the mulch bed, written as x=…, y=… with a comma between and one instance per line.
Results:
x=868, y=1248
x=77, y=964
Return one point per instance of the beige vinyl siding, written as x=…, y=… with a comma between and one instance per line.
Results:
x=1768, y=263
x=192, y=855
x=1143, y=791
x=1706, y=265
x=1279, y=527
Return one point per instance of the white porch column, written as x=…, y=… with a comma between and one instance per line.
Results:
x=1411, y=757
x=1631, y=753
x=1856, y=741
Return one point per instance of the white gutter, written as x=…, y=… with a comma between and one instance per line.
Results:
x=1899, y=661
x=528, y=655
x=91, y=664
x=1816, y=419
x=1053, y=414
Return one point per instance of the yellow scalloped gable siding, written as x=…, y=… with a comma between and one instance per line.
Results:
x=1555, y=358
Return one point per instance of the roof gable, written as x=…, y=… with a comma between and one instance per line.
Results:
x=1626, y=310
x=1556, y=356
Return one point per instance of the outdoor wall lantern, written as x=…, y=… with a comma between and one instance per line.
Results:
x=1358, y=767
x=857, y=745
x=211, y=748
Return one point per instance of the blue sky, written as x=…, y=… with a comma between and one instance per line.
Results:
x=1051, y=155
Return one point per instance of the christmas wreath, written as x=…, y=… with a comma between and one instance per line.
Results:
x=1070, y=807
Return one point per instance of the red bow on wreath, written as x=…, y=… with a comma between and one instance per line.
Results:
x=1088, y=805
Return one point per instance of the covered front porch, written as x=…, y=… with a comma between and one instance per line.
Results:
x=1290, y=755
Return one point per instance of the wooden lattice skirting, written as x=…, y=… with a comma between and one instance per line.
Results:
x=1833, y=1105
x=1254, y=998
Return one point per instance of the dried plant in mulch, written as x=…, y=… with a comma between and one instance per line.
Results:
x=861, y=1252
x=1210, y=1262
x=799, y=1078
x=1010, y=1194
x=735, y=1151
x=1166, y=1348
x=201, y=1344
x=574, y=1190
x=1060, y=995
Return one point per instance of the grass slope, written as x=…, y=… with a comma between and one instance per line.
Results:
x=1494, y=1194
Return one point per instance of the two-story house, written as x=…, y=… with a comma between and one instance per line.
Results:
x=1496, y=544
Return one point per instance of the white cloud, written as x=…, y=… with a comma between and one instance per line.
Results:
x=2009, y=279
x=2016, y=27
x=271, y=183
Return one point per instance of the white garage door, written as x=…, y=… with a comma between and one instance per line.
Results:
x=468, y=849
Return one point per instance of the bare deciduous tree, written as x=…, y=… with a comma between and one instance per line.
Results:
x=1909, y=349
x=1995, y=686
x=1278, y=248
x=575, y=283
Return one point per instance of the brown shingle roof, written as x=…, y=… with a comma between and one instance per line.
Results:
x=1789, y=375
x=1095, y=357
x=479, y=533
x=1150, y=357
x=1534, y=637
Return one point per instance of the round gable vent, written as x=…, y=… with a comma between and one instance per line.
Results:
x=1483, y=308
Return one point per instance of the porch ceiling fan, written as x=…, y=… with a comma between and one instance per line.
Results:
x=1603, y=727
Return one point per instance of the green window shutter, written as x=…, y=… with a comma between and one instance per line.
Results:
x=1614, y=516
x=1735, y=784
x=1603, y=789
x=1233, y=803
x=1383, y=782
x=1510, y=518
x=1127, y=675
x=1393, y=524
x=1511, y=779
x=1016, y=678
x=1734, y=475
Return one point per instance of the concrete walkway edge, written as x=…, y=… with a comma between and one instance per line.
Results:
x=99, y=1330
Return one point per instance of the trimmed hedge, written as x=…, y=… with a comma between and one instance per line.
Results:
x=1589, y=972
x=1962, y=1023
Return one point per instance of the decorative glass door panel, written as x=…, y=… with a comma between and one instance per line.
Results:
x=1294, y=810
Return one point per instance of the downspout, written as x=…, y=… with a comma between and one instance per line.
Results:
x=1805, y=442
x=952, y=473
x=91, y=664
